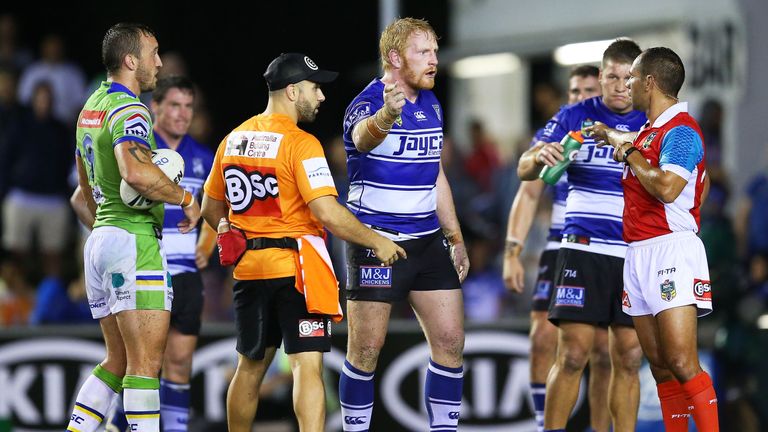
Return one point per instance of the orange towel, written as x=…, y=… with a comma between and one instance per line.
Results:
x=315, y=278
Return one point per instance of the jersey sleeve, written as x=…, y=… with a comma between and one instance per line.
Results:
x=359, y=110
x=313, y=176
x=557, y=127
x=214, y=184
x=130, y=122
x=681, y=150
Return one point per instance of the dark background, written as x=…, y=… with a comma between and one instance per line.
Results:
x=228, y=47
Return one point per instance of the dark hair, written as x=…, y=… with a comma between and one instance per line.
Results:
x=666, y=68
x=122, y=39
x=170, y=82
x=584, y=71
x=622, y=50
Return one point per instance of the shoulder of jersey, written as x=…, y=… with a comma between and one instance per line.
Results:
x=200, y=147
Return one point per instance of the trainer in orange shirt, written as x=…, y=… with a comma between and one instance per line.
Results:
x=271, y=181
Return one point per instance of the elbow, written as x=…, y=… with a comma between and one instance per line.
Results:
x=74, y=200
x=324, y=216
x=668, y=196
x=135, y=180
x=130, y=177
x=362, y=148
x=323, y=210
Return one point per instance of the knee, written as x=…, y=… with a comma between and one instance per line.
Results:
x=177, y=367
x=683, y=367
x=629, y=360
x=600, y=358
x=573, y=360
x=543, y=342
x=449, y=344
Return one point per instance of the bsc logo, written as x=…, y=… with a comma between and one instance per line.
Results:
x=352, y=420
x=254, y=193
x=311, y=328
x=702, y=290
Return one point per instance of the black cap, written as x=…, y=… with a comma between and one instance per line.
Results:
x=290, y=68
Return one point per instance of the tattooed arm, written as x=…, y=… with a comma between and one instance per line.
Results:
x=135, y=163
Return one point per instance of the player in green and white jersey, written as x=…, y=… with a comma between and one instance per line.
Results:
x=127, y=281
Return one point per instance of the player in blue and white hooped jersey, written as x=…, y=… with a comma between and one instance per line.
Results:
x=589, y=271
x=582, y=84
x=173, y=107
x=393, y=135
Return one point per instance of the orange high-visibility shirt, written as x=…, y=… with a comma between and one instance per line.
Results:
x=268, y=170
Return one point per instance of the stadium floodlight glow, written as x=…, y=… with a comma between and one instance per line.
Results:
x=485, y=65
x=580, y=53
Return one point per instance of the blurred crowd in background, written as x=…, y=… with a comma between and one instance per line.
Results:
x=41, y=280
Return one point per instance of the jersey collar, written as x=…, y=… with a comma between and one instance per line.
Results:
x=670, y=113
x=116, y=87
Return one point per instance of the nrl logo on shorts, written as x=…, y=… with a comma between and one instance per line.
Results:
x=649, y=139
x=668, y=291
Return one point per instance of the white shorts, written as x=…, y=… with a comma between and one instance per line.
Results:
x=125, y=271
x=666, y=272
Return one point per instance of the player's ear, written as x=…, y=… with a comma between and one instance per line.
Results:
x=130, y=61
x=394, y=58
x=291, y=92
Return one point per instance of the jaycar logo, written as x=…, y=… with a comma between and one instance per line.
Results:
x=38, y=380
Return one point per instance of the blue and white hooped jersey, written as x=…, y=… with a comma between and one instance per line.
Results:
x=180, y=248
x=595, y=203
x=394, y=186
x=559, y=195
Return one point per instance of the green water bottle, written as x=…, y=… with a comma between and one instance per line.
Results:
x=571, y=144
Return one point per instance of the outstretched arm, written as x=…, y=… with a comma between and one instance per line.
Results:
x=369, y=133
x=344, y=225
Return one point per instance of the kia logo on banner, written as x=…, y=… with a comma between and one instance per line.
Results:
x=496, y=384
x=36, y=378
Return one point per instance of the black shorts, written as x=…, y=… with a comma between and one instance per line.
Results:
x=427, y=268
x=268, y=311
x=588, y=288
x=543, y=291
x=187, y=303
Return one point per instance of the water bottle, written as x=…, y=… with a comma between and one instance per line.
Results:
x=223, y=226
x=571, y=144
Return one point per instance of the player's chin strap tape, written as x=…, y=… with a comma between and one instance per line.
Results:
x=266, y=243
